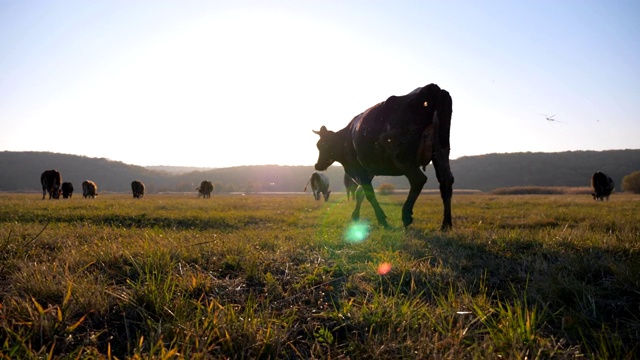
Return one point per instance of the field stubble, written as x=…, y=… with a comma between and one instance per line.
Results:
x=535, y=276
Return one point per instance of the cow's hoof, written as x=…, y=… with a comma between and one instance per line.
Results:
x=446, y=227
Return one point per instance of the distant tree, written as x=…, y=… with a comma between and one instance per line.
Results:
x=631, y=182
x=218, y=187
x=386, y=189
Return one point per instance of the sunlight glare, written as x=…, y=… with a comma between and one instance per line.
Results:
x=356, y=232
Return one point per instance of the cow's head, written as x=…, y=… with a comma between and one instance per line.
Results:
x=327, y=146
x=56, y=192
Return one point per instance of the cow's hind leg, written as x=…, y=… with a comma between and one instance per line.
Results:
x=359, y=196
x=445, y=178
x=417, y=179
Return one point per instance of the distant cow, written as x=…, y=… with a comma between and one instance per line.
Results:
x=351, y=187
x=205, y=189
x=395, y=137
x=319, y=185
x=89, y=189
x=67, y=190
x=51, y=181
x=602, y=186
x=137, y=187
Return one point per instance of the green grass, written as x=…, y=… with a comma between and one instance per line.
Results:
x=282, y=277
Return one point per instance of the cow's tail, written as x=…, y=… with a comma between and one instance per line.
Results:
x=305, y=187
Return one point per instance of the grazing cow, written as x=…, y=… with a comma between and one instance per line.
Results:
x=351, y=187
x=67, y=190
x=395, y=137
x=51, y=180
x=602, y=186
x=205, y=189
x=89, y=189
x=319, y=186
x=137, y=187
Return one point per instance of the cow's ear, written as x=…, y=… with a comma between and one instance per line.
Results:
x=322, y=132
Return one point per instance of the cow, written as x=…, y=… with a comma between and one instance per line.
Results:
x=319, y=186
x=51, y=181
x=602, y=186
x=137, y=188
x=205, y=189
x=351, y=186
x=67, y=190
x=395, y=137
x=89, y=189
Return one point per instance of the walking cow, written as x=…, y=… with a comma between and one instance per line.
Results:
x=351, y=186
x=67, y=190
x=205, y=189
x=319, y=186
x=137, y=187
x=395, y=137
x=51, y=181
x=602, y=186
x=89, y=189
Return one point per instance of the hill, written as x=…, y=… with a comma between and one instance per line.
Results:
x=21, y=172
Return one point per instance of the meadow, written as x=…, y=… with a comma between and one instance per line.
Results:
x=288, y=277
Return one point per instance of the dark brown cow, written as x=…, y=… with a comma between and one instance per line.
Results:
x=602, y=186
x=137, y=187
x=395, y=137
x=351, y=186
x=205, y=189
x=51, y=181
x=67, y=190
x=89, y=189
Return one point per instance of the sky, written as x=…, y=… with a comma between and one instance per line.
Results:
x=230, y=83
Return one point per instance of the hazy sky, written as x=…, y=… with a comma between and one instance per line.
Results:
x=225, y=83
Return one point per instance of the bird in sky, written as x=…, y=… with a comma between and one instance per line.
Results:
x=550, y=118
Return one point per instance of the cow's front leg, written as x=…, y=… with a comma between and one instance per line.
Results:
x=371, y=196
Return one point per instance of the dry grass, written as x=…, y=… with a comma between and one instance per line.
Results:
x=275, y=277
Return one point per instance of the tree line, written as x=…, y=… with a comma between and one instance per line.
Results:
x=21, y=172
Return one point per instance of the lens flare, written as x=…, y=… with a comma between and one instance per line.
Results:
x=384, y=268
x=356, y=232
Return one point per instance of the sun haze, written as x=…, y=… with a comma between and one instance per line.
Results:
x=216, y=84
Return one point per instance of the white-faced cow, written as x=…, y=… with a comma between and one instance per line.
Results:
x=319, y=186
x=395, y=137
x=351, y=186
x=89, y=189
x=602, y=186
x=51, y=181
x=137, y=188
x=205, y=189
x=67, y=190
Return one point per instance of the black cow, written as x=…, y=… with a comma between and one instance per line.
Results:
x=319, y=186
x=602, y=186
x=67, y=190
x=205, y=189
x=351, y=187
x=51, y=181
x=137, y=188
x=89, y=189
x=395, y=137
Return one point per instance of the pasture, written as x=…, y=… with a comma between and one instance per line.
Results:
x=286, y=277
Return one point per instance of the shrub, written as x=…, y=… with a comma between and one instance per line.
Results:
x=631, y=182
x=386, y=189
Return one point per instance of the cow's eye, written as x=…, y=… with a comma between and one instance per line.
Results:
x=425, y=104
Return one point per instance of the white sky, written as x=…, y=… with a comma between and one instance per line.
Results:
x=226, y=83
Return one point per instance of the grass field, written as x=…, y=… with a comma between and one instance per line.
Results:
x=288, y=277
